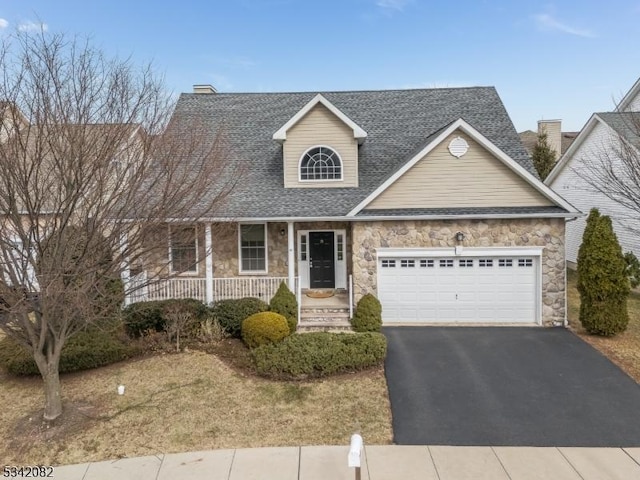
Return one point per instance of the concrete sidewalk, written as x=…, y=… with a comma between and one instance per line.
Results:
x=390, y=462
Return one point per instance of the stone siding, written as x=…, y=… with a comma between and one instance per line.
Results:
x=225, y=247
x=547, y=233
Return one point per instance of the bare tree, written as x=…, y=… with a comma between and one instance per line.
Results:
x=92, y=168
x=613, y=167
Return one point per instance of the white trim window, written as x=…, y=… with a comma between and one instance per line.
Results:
x=320, y=163
x=252, y=245
x=183, y=249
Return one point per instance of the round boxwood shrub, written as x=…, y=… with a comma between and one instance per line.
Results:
x=91, y=348
x=319, y=354
x=284, y=302
x=368, y=315
x=264, y=327
x=231, y=313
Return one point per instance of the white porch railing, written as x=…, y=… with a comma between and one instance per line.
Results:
x=350, y=295
x=263, y=288
x=223, y=288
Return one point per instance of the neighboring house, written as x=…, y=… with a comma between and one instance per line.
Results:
x=425, y=198
x=558, y=140
x=600, y=136
x=30, y=205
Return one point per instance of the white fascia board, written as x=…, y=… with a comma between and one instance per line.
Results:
x=483, y=141
x=375, y=218
x=484, y=216
x=466, y=252
x=628, y=98
x=358, y=132
x=575, y=145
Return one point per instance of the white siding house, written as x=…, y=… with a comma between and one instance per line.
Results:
x=599, y=137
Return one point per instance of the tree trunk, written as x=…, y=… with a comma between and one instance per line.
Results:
x=52, y=392
x=53, y=399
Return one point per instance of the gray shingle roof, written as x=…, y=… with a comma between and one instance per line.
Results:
x=626, y=124
x=398, y=123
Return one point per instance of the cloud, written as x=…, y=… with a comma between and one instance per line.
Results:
x=393, y=4
x=548, y=22
x=3, y=23
x=33, y=27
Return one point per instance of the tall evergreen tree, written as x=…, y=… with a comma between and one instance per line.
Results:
x=602, y=278
x=543, y=156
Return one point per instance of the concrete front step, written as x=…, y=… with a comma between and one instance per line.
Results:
x=329, y=318
x=324, y=326
x=324, y=314
x=342, y=310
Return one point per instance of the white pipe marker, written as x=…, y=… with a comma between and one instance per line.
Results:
x=354, y=450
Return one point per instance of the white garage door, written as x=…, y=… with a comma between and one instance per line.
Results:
x=458, y=289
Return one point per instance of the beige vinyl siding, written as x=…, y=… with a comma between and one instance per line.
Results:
x=320, y=127
x=477, y=179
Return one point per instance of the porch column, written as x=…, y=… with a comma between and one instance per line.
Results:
x=291, y=258
x=208, y=264
x=125, y=269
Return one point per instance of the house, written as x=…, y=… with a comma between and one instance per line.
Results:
x=425, y=198
x=558, y=140
x=37, y=197
x=600, y=137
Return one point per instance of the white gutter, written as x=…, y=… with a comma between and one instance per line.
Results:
x=367, y=218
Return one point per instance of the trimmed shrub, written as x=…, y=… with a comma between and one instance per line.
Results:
x=319, y=354
x=231, y=313
x=143, y=317
x=90, y=348
x=633, y=269
x=284, y=302
x=368, y=315
x=264, y=327
x=603, y=281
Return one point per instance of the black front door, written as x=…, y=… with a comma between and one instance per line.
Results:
x=321, y=264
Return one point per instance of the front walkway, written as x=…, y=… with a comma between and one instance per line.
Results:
x=378, y=463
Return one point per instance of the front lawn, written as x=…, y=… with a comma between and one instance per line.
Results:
x=622, y=349
x=186, y=402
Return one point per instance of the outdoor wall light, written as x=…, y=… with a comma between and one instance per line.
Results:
x=282, y=232
x=459, y=236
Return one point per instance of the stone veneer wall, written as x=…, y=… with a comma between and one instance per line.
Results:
x=225, y=250
x=547, y=233
x=225, y=247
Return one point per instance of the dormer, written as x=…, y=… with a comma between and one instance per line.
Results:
x=320, y=147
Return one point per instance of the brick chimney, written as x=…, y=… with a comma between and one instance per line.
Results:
x=553, y=129
x=204, y=89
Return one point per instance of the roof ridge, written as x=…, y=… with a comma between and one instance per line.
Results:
x=311, y=92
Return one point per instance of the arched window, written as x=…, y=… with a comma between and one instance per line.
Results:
x=320, y=163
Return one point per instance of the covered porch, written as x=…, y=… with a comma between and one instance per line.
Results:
x=252, y=259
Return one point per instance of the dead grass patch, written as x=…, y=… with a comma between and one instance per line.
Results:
x=187, y=401
x=622, y=349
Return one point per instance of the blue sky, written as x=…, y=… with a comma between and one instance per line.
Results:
x=564, y=59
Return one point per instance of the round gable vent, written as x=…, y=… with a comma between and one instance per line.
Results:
x=458, y=147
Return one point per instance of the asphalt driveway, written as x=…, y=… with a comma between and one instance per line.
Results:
x=507, y=386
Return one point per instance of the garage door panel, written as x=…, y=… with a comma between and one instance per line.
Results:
x=459, y=289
